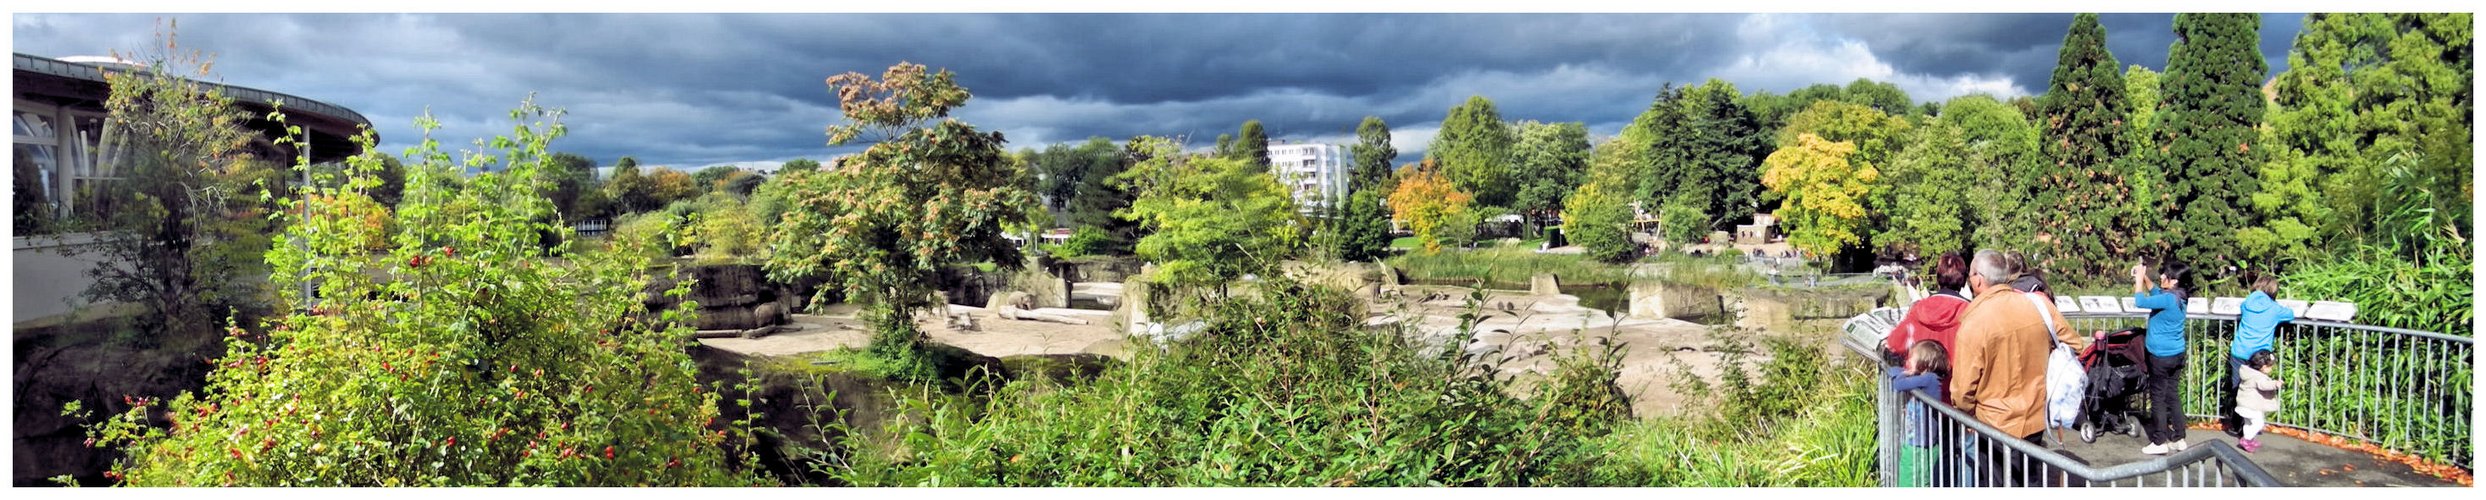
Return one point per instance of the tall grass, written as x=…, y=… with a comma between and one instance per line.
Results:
x=1507, y=267
x=1287, y=387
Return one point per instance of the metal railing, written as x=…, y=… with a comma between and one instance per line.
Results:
x=2401, y=390
x=1924, y=443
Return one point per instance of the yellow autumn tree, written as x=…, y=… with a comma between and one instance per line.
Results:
x=1824, y=192
x=1425, y=202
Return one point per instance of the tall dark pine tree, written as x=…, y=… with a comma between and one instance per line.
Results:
x=1099, y=197
x=1731, y=147
x=1252, y=144
x=2205, y=132
x=2086, y=138
x=1373, y=154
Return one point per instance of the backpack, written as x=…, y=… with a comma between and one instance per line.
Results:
x=2065, y=377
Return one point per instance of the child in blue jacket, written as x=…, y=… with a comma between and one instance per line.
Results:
x=2256, y=328
x=1926, y=366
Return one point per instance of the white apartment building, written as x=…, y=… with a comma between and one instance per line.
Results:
x=1315, y=173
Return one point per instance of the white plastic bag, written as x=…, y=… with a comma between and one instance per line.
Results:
x=2065, y=378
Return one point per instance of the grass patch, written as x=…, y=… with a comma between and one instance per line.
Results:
x=1712, y=271
x=1406, y=243
x=1507, y=267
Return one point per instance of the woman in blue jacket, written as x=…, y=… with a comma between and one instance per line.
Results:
x=2165, y=343
x=2255, y=328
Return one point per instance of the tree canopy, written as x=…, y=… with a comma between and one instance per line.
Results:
x=1473, y=150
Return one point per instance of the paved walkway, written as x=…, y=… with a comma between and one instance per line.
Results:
x=2292, y=461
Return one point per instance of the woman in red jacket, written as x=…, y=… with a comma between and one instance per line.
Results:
x=1936, y=318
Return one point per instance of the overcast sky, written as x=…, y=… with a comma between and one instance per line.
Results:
x=695, y=90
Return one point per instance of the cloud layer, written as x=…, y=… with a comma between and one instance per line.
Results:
x=696, y=90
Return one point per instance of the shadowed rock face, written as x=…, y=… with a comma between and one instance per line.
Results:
x=85, y=363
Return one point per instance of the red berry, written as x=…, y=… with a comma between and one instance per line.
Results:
x=90, y=442
x=451, y=442
x=112, y=475
x=608, y=452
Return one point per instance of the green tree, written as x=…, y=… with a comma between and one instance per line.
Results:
x=572, y=177
x=2086, y=187
x=798, y=165
x=1252, y=144
x=1362, y=228
x=2001, y=154
x=1825, y=191
x=467, y=355
x=2205, y=133
x=1929, y=212
x=923, y=196
x=1100, y=200
x=2141, y=92
x=1473, y=149
x=1373, y=156
x=1063, y=169
x=2369, y=142
x=635, y=192
x=1551, y=158
x=1598, y=219
x=184, y=221
x=667, y=186
x=1211, y=220
x=1881, y=96
x=1716, y=156
x=712, y=178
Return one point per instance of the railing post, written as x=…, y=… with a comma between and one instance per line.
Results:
x=1886, y=430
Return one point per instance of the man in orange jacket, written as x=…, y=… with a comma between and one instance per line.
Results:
x=1998, y=373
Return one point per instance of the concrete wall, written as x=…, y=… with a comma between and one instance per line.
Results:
x=48, y=278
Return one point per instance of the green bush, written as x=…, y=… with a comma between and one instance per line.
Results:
x=1507, y=267
x=2390, y=290
x=466, y=355
x=1285, y=387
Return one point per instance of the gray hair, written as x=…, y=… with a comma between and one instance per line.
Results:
x=1993, y=266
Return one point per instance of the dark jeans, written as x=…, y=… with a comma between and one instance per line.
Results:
x=2006, y=467
x=2166, y=410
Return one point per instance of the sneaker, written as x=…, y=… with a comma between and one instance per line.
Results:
x=2250, y=446
x=2154, y=449
x=2178, y=446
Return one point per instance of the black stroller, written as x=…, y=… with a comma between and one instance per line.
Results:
x=2118, y=369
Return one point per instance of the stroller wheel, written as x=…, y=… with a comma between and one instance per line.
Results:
x=2088, y=432
x=2132, y=426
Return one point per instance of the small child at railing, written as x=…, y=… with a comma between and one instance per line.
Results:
x=2258, y=397
x=1925, y=368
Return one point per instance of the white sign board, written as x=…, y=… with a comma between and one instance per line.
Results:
x=2065, y=304
x=2097, y=304
x=2197, y=305
x=2298, y=306
x=2230, y=306
x=2133, y=306
x=2330, y=311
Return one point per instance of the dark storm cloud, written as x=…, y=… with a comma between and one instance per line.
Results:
x=693, y=90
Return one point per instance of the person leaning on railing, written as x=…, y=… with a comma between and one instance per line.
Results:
x=1998, y=366
x=1934, y=318
x=2255, y=328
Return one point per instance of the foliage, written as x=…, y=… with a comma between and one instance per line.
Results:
x=1825, y=192
x=1373, y=156
x=2205, y=133
x=1822, y=434
x=2140, y=91
x=633, y=191
x=1473, y=151
x=1506, y=267
x=713, y=177
x=1929, y=212
x=724, y=229
x=1876, y=137
x=1427, y=204
x=1083, y=242
x=477, y=358
x=798, y=165
x=1064, y=171
x=1704, y=155
x=667, y=186
x=1550, y=158
x=1361, y=231
x=1285, y=387
x=1099, y=200
x=2001, y=153
x=1252, y=144
x=922, y=197
x=2370, y=117
x=1210, y=220
x=2086, y=183
x=184, y=218
x=1598, y=219
x=2389, y=290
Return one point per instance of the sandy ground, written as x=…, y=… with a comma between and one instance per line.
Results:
x=1531, y=329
